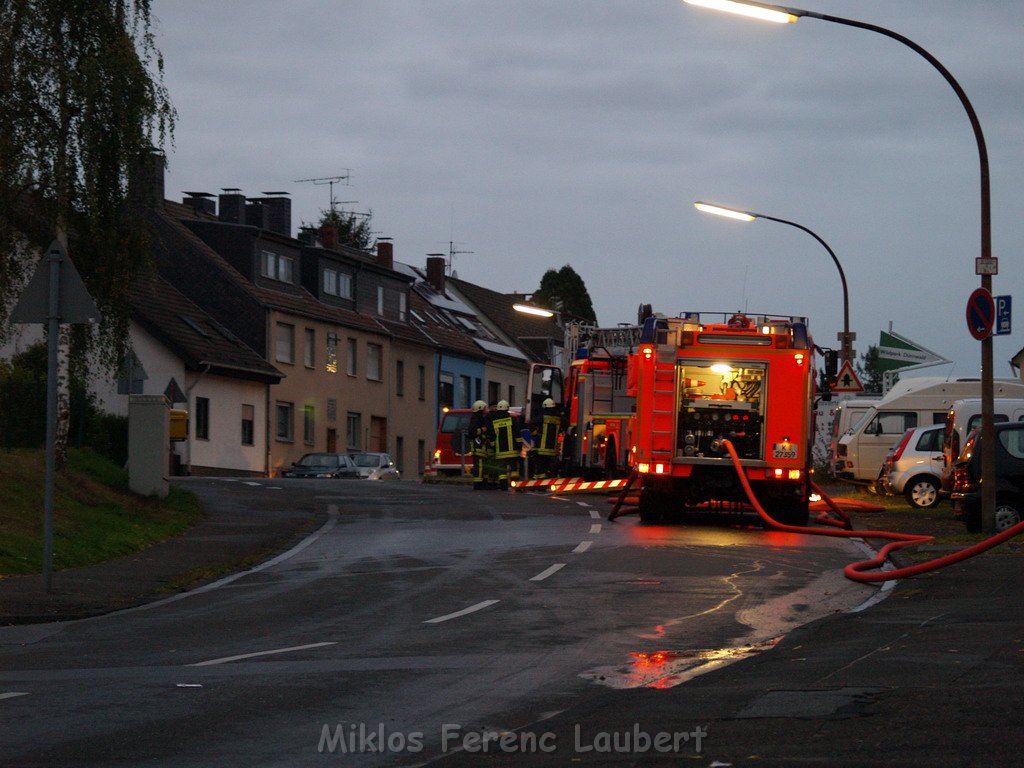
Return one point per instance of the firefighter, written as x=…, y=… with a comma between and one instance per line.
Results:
x=506, y=439
x=546, y=428
x=479, y=439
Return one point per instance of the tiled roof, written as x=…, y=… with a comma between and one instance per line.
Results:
x=198, y=339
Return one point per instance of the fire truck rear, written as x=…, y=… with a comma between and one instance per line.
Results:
x=704, y=378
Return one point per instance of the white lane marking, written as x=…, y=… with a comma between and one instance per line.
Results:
x=583, y=546
x=559, y=498
x=548, y=571
x=226, y=659
x=583, y=503
x=250, y=482
x=188, y=685
x=595, y=528
x=13, y=694
x=595, y=514
x=465, y=611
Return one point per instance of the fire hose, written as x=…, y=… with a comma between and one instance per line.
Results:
x=858, y=571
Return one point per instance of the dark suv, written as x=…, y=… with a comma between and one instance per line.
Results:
x=966, y=495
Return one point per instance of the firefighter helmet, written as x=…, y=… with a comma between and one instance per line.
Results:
x=548, y=403
x=503, y=405
x=479, y=405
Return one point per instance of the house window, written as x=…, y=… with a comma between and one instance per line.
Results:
x=248, y=424
x=276, y=266
x=284, y=343
x=309, y=350
x=284, y=413
x=403, y=305
x=493, y=392
x=464, y=391
x=202, y=418
x=332, y=353
x=421, y=455
x=380, y=299
x=446, y=390
x=421, y=384
x=350, y=362
x=352, y=431
x=511, y=394
x=308, y=426
x=400, y=453
x=399, y=378
x=337, y=283
x=374, y=358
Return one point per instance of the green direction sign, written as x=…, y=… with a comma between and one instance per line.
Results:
x=896, y=352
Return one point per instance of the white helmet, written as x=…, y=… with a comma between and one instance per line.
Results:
x=548, y=403
x=479, y=405
x=503, y=405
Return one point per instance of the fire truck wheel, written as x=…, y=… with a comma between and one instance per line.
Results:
x=654, y=507
x=791, y=513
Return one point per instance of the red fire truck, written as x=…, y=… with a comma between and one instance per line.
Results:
x=703, y=378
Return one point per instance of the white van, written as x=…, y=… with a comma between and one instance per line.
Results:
x=964, y=416
x=847, y=414
x=912, y=402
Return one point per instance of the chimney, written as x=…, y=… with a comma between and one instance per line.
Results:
x=435, y=271
x=200, y=202
x=231, y=203
x=329, y=235
x=385, y=253
x=279, y=212
x=147, y=180
x=256, y=214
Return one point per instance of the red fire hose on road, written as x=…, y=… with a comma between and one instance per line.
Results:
x=856, y=571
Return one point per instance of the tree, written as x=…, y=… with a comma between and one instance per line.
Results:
x=564, y=290
x=79, y=109
x=869, y=372
x=353, y=229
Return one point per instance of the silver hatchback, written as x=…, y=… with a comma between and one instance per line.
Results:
x=914, y=467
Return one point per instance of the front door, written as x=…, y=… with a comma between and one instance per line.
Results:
x=378, y=434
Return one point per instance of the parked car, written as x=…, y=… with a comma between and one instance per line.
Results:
x=331, y=465
x=374, y=466
x=1009, y=468
x=914, y=467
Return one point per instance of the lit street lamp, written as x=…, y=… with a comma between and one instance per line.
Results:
x=845, y=337
x=985, y=265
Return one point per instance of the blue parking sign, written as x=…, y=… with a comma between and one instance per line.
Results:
x=1003, y=304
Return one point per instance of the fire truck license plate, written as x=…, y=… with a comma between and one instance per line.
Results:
x=785, y=451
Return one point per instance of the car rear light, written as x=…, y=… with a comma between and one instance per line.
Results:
x=899, y=448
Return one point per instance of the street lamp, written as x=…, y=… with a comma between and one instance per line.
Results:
x=845, y=337
x=531, y=309
x=984, y=266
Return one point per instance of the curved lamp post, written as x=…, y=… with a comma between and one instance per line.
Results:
x=984, y=266
x=845, y=337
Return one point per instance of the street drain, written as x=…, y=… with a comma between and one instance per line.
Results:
x=837, y=704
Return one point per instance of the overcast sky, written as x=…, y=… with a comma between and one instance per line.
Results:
x=539, y=133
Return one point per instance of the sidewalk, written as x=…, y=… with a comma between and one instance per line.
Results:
x=231, y=537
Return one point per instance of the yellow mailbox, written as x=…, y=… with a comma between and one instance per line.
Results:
x=178, y=424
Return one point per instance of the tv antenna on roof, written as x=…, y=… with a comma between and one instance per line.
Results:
x=331, y=181
x=452, y=253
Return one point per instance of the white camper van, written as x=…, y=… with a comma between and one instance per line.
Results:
x=848, y=414
x=912, y=402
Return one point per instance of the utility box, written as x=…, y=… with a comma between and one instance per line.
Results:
x=149, y=444
x=178, y=424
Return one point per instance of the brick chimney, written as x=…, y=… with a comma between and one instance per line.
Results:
x=279, y=212
x=146, y=184
x=435, y=271
x=329, y=235
x=200, y=202
x=231, y=206
x=385, y=253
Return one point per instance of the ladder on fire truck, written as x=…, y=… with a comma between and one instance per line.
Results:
x=662, y=426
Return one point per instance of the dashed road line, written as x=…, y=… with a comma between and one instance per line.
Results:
x=583, y=546
x=583, y=503
x=13, y=694
x=226, y=659
x=465, y=611
x=595, y=514
x=548, y=571
x=595, y=528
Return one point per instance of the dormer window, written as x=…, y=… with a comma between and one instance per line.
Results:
x=337, y=283
x=276, y=267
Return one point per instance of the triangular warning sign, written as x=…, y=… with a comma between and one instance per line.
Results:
x=847, y=380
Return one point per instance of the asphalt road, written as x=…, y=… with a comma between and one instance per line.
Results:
x=416, y=618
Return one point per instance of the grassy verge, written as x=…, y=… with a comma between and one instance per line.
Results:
x=96, y=517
